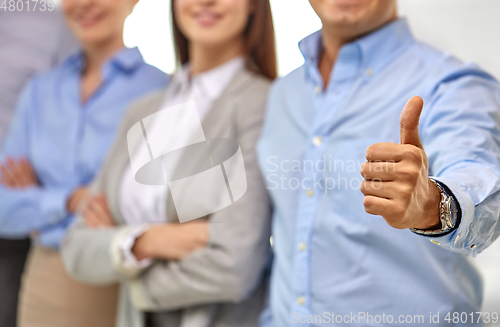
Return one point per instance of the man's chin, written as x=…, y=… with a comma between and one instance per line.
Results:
x=347, y=22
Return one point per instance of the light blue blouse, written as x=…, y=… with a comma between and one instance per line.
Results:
x=65, y=140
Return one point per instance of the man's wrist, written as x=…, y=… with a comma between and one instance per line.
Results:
x=448, y=213
x=432, y=215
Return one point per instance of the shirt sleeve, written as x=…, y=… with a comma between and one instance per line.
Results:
x=23, y=211
x=50, y=237
x=460, y=131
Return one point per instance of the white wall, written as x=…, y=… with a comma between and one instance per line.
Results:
x=468, y=28
x=149, y=28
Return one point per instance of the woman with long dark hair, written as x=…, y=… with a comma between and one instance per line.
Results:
x=180, y=214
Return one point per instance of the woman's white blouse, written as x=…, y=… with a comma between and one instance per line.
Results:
x=141, y=204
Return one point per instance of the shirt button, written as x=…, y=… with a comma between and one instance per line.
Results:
x=301, y=300
x=309, y=193
x=369, y=72
x=317, y=140
x=473, y=246
x=302, y=246
x=318, y=89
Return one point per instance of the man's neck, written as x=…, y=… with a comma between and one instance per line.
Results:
x=332, y=42
x=331, y=46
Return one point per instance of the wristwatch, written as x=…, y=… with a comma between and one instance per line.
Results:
x=448, y=214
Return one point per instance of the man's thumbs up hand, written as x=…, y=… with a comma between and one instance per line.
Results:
x=408, y=122
x=397, y=185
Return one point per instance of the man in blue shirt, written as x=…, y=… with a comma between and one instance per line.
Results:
x=396, y=252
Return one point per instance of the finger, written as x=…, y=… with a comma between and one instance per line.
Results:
x=81, y=200
x=386, y=190
x=28, y=170
x=101, y=199
x=25, y=170
x=20, y=173
x=387, y=208
x=13, y=176
x=81, y=205
x=7, y=178
x=409, y=120
x=104, y=205
x=377, y=206
x=90, y=219
x=75, y=202
x=379, y=170
x=71, y=204
x=100, y=213
x=394, y=153
x=391, y=152
x=97, y=207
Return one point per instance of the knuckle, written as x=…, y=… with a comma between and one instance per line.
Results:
x=374, y=184
x=367, y=202
x=372, y=149
x=363, y=187
x=369, y=211
x=413, y=153
x=370, y=206
x=364, y=168
x=405, y=190
x=369, y=152
x=410, y=173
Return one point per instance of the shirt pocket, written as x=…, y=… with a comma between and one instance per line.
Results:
x=342, y=178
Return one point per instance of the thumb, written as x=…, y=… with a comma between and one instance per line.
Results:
x=408, y=122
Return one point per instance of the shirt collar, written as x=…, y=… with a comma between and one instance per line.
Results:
x=126, y=59
x=212, y=82
x=371, y=52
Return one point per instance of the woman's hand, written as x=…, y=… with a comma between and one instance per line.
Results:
x=171, y=241
x=18, y=173
x=96, y=213
x=78, y=199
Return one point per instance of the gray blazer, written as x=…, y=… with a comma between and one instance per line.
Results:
x=220, y=285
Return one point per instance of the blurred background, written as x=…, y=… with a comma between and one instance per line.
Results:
x=467, y=28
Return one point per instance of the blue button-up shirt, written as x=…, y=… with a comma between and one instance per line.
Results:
x=334, y=263
x=31, y=42
x=66, y=141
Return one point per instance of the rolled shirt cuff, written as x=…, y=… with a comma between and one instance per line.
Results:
x=124, y=260
x=53, y=204
x=462, y=239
